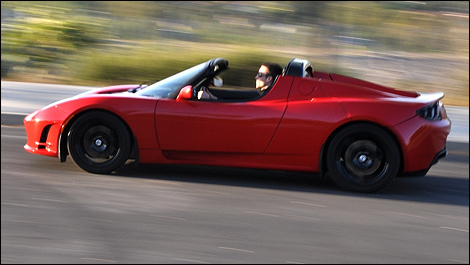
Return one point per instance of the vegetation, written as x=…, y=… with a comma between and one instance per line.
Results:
x=107, y=42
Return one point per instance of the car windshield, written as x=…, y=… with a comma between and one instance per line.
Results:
x=165, y=87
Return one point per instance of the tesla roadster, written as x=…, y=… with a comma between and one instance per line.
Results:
x=360, y=134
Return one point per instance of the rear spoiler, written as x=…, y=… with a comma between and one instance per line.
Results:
x=429, y=97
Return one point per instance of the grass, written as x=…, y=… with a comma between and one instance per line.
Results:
x=150, y=62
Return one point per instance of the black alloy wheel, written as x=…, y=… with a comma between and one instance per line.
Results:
x=99, y=142
x=363, y=158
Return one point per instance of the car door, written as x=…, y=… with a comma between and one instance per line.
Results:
x=211, y=126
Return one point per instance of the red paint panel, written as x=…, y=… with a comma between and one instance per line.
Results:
x=217, y=126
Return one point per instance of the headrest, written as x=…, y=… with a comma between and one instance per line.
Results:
x=298, y=67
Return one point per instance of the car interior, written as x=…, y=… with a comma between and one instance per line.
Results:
x=295, y=67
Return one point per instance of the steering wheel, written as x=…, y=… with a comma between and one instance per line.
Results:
x=201, y=87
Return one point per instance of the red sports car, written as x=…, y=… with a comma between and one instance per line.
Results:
x=360, y=134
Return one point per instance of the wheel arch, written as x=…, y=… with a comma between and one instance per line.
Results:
x=325, y=146
x=63, y=150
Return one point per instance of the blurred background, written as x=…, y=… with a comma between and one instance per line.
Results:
x=409, y=45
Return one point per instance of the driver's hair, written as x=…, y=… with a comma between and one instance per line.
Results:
x=274, y=69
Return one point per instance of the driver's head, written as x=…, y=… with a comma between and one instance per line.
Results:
x=266, y=75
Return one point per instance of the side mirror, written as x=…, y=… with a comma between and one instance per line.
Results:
x=185, y=93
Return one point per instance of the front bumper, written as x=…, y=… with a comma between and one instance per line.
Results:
x=43, y=128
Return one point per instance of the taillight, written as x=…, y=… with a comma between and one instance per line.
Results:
x=432, y=112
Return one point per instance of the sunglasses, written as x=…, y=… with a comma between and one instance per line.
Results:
x=261, y=74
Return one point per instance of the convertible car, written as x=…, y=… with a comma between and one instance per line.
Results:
x=360, y=134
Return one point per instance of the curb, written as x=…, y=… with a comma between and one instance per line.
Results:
x=12, y=118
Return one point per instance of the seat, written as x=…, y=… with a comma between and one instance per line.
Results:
x=298, y=67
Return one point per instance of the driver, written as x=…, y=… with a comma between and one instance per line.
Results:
x=265, y=78
x=266, y=75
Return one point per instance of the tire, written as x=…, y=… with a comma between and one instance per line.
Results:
x=99, y=142
x=363, y=158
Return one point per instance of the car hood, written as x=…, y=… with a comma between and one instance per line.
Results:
x=119, y=90
x=113, y=89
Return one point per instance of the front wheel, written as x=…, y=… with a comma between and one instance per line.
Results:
x=99, y=142
x=363, y=158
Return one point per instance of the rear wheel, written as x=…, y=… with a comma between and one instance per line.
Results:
x=363, y=158
x=99, y=142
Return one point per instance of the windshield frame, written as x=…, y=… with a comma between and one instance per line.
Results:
x=166, y=88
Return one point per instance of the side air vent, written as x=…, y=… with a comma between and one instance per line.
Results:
x=44, y=134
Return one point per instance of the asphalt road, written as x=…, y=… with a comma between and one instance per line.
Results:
x=54, y=212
